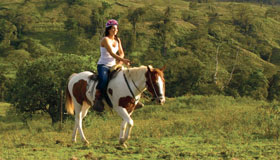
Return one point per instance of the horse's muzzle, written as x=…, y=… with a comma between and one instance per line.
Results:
x=160, y=100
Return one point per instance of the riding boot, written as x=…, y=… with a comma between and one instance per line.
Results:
x=98, y=104
x=139, y=105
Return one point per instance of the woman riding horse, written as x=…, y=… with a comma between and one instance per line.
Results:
x=124, y=92
x=109, y=46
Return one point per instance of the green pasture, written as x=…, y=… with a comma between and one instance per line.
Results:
x=195, y=127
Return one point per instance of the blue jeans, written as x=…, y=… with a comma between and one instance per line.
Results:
x=103, y=74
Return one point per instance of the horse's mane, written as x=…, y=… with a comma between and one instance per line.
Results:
x=136, y=72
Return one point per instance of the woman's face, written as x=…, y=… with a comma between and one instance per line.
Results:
x=113, y=30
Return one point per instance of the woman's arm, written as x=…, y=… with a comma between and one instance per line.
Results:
x=121, y=53
x=105, y=43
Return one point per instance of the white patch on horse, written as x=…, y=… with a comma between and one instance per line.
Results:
x=160, y=84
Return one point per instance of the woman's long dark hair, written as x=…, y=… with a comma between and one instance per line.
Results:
x=107, y=33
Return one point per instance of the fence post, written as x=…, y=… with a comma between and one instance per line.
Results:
x=61, y=108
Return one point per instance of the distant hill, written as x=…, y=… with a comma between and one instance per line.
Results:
x=221, y=35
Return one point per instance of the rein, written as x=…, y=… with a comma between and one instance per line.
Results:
x=128, y=86
x=150, y=78
x=130, y=90
x=134, y=83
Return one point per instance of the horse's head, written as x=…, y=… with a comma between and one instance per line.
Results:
x=156, y=83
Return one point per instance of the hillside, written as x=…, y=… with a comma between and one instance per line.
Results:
x=239, y=38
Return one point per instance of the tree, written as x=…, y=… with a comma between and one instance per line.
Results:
x=78, y=20
x=38, y=85
x=2, y=83
x=48, y=3
x=13, y=57
x=184, y=75
x=164, y=30
x=243, y=18
x=257, y=85
x=245, y=83
x=8, y=33
x=99, y=17
x=135, y=17
x=25, y=17
x=274, y=87
x=34, y=47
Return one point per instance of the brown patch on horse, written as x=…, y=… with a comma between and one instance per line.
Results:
x=128, y=103
x=79, y=92
x=110, y=91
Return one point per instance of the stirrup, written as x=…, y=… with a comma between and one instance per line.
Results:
x=98, y=105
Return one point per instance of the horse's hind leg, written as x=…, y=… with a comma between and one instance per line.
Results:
x=77, y=107
x=74, y=135
x=85, y=108
x=79, y=121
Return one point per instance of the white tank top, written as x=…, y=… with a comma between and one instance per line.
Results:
x=106, y=58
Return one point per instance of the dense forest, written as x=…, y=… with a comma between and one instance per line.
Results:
x=209, y=47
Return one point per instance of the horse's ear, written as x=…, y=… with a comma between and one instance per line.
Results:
x=149, y=68
x=163, y=68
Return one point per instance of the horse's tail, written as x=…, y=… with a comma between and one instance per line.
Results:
x=69, y=105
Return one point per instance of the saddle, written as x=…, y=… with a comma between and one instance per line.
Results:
x=113, y=73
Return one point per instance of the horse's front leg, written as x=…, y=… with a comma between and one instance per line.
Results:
x=122, y=134
x=128, y=131
x=125, y=132
x=126, y=125
x=128, y=128
x=123, y=128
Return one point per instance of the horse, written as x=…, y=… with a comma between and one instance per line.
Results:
x=124, y=91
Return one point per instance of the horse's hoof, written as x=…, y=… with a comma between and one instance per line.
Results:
x=121, y=141
x=124, y=145
x=86, y=142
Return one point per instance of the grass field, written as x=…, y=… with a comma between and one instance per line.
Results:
x=196, y=127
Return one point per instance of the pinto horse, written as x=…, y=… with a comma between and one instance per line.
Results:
x=124, y=91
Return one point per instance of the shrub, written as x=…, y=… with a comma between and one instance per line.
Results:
x=39, y=84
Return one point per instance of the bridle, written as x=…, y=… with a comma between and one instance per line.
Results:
x=158, y=97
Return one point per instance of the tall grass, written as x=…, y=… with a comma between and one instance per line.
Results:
x=217, y=115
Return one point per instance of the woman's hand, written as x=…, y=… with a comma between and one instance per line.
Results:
x=126, y=61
